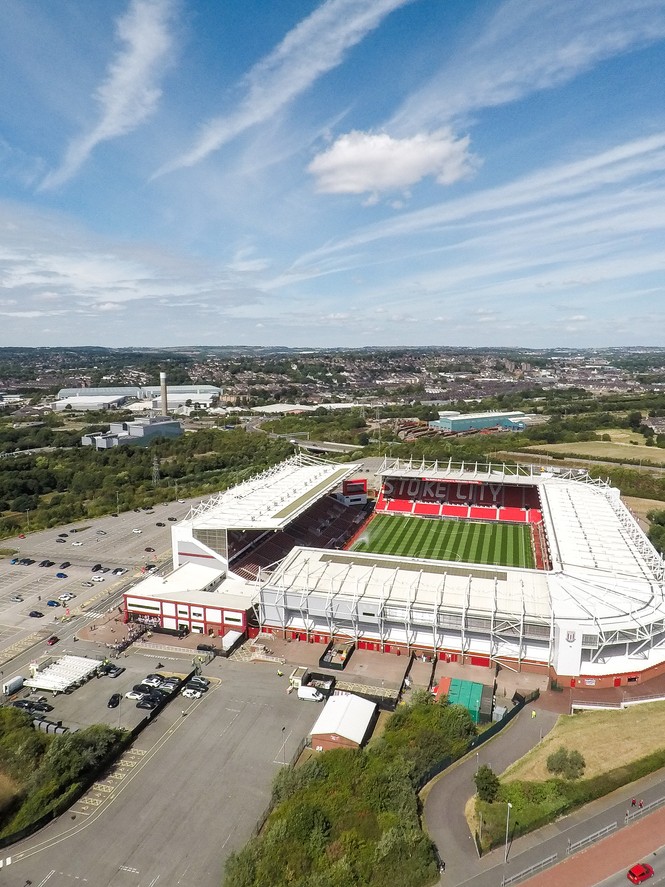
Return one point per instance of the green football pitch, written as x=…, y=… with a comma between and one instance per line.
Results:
x=500, y=544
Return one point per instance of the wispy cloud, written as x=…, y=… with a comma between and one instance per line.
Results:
x=314, y=47
x=527, y=47
x=130, y=93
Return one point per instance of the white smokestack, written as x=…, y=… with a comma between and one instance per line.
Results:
x=165, y=403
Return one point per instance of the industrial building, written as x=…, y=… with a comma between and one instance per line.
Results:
x=200, y=396
x=138, y=432
x=452, y=422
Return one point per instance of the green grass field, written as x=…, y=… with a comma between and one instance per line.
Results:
x=499, y=544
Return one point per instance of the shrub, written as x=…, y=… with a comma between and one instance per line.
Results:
x=487, y=784
x=569, y=764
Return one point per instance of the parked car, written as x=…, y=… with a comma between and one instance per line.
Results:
x=16, y=599
x=149, y=549
x=147, y=703
x=152, y=680
x=40, y=705
x=60, y=575
x=98, y=579
x=205, y=648
x=101, y=532
x=21, y=703
x=192, y=693
x=52, y=640
x=77, y=544
x=115, y=671
x=64, y=565
x=105, y=570
x=119, y=571
x=60, y=540
x=199, y=679
x=21, y=535
x=137, y=531
x=35, y=614
x=640, y=873
x=172, y=519
x=67, y=596
x=160, y=524
x=52, y=603
x=95, y=568
x=62, y=535
x=114, y=701
x=134, y=695
x=43, y=564
x=194, y=685
x=86, y=584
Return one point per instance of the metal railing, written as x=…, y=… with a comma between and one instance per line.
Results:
x=574, y=846
x=532, y=870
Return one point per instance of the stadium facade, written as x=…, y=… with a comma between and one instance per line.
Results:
x=591, y=613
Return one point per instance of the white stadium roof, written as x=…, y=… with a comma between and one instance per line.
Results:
x=272, y=499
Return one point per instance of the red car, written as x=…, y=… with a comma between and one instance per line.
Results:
x=640, y=873
x=54, y=640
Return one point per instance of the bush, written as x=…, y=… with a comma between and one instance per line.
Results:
x=487, y=784
x=569, y=764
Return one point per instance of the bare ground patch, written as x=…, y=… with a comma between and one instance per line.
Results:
x=606, y=739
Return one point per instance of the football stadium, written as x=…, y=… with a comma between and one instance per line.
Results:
x=485, y=564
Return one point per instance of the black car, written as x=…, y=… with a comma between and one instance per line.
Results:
x=104, y=569
x=192, y=685
x=64, y=565
x=21, y=703
x=142, y=688
x=43, y=564
x=148, y=703
x=36, y=614
x=173, y=519
x=40, y=706
x=160, y=524
x=62, y=535
x=96, y=568
x=114, y=701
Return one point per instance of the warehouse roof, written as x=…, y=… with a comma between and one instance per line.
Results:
x=346, y=715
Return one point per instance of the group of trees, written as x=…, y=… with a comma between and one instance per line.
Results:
x=351, y=817
x=657, y=530
x=45, y=770
x=62, y=485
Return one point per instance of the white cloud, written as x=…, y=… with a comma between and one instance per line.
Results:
x=110, y=306
x=315, y=46
x=360, y=162
x=130, y=93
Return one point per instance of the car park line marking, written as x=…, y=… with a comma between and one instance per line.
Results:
x=112, y=795
x=7, y=861
x=148, y=754
x=47, y=878
x=129, y=868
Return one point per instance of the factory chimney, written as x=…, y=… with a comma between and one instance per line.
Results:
x=165, y=403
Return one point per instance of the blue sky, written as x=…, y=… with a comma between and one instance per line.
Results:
x=336, y=173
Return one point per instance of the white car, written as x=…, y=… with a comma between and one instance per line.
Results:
x=67, y=596
x=138, y=532
x=192, y=694
x=77, y=544
x=152, y=681
x=134, y=695
x=97, y=578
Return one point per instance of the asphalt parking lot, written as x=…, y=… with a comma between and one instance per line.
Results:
x=187, y=794
x=115, y=546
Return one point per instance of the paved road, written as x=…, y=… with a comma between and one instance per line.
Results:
x=444, y=807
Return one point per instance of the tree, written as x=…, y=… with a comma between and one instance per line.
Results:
x=487, y=784
x=569, y=764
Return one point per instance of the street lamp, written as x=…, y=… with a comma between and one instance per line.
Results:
x=509, y=807
x=283, y=746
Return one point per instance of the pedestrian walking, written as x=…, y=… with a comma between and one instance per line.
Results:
x=641, y=804
x=280, y=673
x=533, y=713
x=633, y=802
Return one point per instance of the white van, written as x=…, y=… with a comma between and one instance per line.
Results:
x=310, y=693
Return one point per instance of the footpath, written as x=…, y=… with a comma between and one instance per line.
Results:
x=626, y=844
